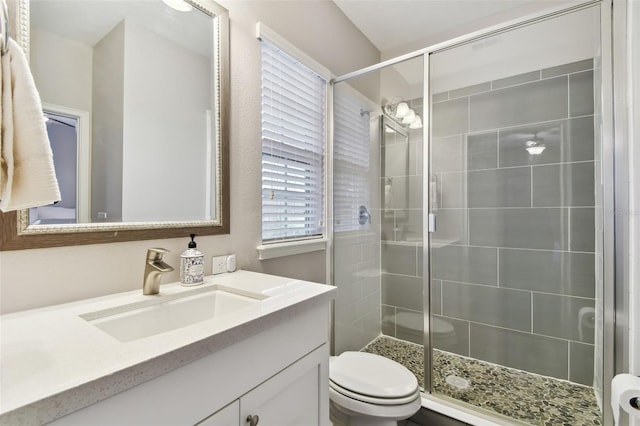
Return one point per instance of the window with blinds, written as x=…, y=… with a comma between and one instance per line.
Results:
x=351, y=182
x=293, y=147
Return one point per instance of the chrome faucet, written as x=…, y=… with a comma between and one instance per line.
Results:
x=153, y=268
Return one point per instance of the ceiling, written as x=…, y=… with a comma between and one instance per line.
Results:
x=393, y=24
x=89, y=21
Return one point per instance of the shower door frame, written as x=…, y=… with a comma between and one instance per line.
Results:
x=615, y=341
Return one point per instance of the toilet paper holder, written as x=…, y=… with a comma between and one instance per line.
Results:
x=625, y=396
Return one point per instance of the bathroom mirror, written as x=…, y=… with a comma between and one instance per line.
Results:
x=135, y=93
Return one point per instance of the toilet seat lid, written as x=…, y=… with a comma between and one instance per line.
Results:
x=372, y=375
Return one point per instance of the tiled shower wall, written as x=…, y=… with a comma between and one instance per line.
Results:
x=356, y=246
x=357, y=313
x=401, y=232
x=512, y=260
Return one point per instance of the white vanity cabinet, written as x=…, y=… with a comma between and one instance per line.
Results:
x=229, y=415
x=279, y=374
x=293, y=397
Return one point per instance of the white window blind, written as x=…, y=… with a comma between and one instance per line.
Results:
x=293, y=146
x=351, y=182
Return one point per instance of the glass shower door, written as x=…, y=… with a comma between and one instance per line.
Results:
x=513, y=169
x=377, y=214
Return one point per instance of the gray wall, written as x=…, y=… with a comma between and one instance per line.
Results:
x=512, y=260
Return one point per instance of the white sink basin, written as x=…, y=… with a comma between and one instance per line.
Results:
x=165, y=313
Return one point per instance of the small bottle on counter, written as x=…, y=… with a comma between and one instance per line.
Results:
x=192, y=265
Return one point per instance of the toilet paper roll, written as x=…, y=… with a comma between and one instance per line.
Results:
x=625, y=395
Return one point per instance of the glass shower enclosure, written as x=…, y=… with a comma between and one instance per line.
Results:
x=479, y=261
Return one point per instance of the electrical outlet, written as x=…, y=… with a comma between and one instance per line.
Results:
x=219, y=265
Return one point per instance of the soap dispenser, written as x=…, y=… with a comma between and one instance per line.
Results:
x=191, y=265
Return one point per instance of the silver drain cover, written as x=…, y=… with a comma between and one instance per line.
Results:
x=457, y=382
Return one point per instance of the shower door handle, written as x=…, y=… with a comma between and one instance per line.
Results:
x=432, y=223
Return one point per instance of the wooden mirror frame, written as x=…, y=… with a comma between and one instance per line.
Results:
x=12, y=223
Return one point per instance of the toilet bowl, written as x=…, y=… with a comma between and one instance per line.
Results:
x=368, y=389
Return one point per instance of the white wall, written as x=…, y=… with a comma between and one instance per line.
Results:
x=543, y=45
x=61, y=68
x=525, y=9
x=633, y=52
x=164, y=143
x=634, y=185
x=394, y=85
x=107, y=126
x=34, y=278
x=562, y=40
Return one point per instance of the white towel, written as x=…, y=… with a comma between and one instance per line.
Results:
x=27, y=177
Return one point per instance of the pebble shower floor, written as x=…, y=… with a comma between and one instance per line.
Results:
x=528, y=398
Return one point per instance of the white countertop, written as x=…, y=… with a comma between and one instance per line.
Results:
x=53, y=361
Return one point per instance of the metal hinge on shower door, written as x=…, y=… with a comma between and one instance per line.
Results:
x=432, y=223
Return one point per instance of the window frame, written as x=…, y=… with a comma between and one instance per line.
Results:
x=303, y=244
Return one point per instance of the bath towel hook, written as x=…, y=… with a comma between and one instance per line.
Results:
x=4, y=30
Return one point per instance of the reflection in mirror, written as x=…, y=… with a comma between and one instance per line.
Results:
x=141, y=72
x=134, y=92
x=394, y=133
x=71, y=150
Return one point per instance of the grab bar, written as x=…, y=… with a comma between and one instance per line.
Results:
x=4, y=28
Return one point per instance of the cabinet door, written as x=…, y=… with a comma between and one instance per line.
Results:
x=298, y=395
x=228, y=416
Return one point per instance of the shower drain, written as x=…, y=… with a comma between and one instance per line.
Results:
x=457, y=382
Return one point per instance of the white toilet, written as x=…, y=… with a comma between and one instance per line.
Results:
x=371, y=390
